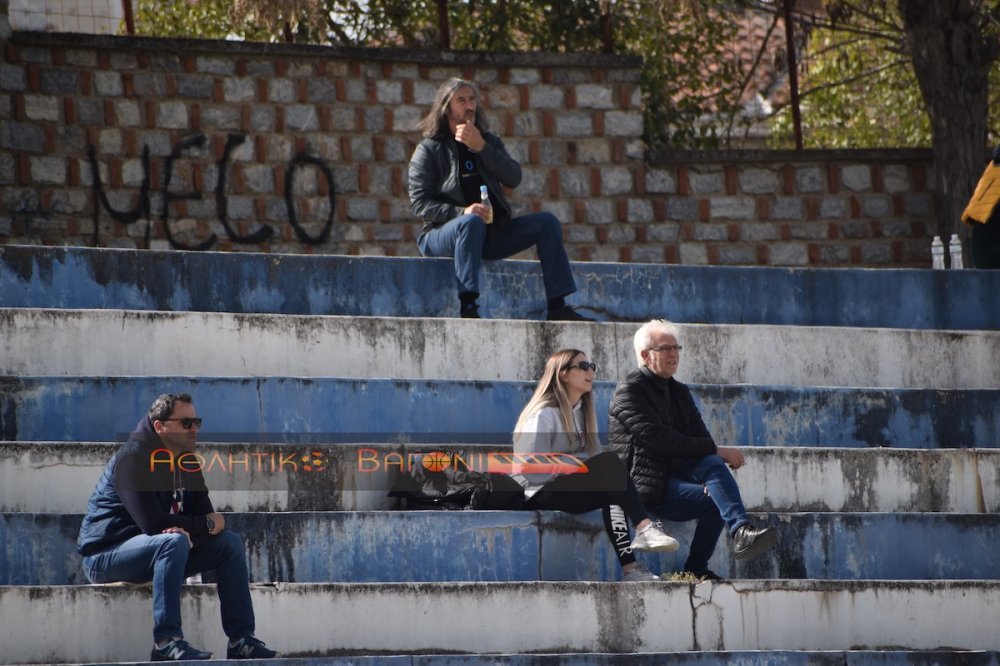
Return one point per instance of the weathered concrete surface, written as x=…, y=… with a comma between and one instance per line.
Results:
x=57, y=477
x=440, y=546
x=702, y=658
x=48, y=342
x=33, y=276
x=908, y=480
x=100, y=623
x=328, y=410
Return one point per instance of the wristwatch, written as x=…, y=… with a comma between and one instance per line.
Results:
x=210, y=524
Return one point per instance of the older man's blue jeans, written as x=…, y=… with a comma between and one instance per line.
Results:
x=704, y=490
x=166, y=560
x=465, y=239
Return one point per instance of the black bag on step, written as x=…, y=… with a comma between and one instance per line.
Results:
x=446, y=482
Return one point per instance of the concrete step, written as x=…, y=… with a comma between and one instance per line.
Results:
x=699, y=658
x=440, y=546
x=304, y=410
x=46, y=342
x=74, y=277
x=112, y=623
x=57, y=477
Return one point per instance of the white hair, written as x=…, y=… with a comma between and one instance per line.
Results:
x=643, y=337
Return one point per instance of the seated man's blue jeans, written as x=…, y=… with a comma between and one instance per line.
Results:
x=465, y=239
x=166, y=559
x=704, y=490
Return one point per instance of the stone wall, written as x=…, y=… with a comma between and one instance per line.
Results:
x=132, y=142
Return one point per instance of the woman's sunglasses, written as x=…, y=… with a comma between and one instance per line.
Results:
x=583, y=365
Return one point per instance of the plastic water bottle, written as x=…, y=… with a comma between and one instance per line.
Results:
x=955, y=250
x=937, y=253
x=484, y=198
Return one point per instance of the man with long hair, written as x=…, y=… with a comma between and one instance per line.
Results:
x=456, y=159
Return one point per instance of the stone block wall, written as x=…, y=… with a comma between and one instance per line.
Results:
x=785, y=208
x=130, y=142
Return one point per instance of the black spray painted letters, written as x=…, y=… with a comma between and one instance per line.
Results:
x=141, y=210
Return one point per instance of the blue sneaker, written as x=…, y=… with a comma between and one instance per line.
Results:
x=249, y=647
x=178, y=650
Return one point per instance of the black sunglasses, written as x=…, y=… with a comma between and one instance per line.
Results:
x=186, y=423
x=583, y=365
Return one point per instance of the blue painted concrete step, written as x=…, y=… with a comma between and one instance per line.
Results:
x=407, y=287
x=441, y=546
x=329, y=410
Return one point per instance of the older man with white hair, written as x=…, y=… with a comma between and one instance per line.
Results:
x=679, y=471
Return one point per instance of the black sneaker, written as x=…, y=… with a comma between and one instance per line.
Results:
x=178, y=650
x=566, y=313
x=249, y=648
x=750, y=542
x=469, y=312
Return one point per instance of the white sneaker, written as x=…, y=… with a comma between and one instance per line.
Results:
x=639, y=574
x=655, y=539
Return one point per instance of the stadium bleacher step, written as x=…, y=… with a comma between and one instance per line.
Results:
x=483, y=618
x=269, y=345
x=270, y=477
x=497, y=546
x=80, y=277
x=325, y=409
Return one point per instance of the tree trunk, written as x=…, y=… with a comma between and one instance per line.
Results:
x=952, y=58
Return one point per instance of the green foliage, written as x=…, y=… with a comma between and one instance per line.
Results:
x=681, y=577
x=856, y=93
x=858, y=88
x=203, y=19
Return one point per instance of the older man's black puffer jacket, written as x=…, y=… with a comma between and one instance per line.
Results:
x=654, y=425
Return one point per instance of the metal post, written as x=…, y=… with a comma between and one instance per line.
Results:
x=129, y=18
x=793, y=73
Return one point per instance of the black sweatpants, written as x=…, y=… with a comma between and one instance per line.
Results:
x=607, y=486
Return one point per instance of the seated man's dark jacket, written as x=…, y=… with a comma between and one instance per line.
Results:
x=654, y=426
x=435, y=192
x=132, y=499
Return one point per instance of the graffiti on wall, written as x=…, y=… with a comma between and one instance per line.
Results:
x=142, y=208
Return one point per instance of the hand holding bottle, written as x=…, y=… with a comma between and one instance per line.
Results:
x=484, y=200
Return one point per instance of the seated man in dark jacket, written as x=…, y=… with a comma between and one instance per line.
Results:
x=680, y=473
x=150, y=518
x=457, y=159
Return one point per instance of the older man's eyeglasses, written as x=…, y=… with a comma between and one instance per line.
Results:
x=187, y=423
x=582, y=365
x=663, y=348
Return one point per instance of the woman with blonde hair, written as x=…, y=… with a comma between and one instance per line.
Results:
x=560, y=419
